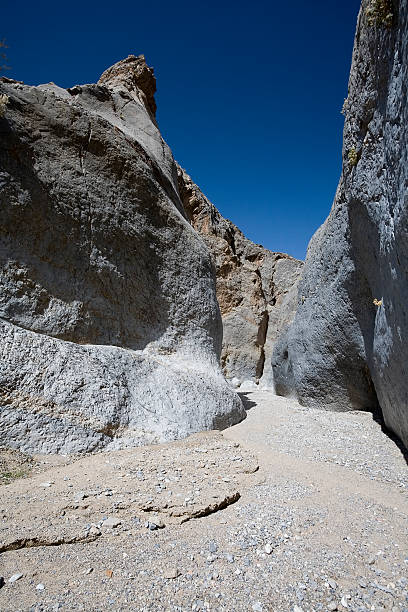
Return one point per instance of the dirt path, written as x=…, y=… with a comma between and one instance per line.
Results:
x=292, y=509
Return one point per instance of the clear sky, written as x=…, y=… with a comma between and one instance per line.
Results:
x=249, y=93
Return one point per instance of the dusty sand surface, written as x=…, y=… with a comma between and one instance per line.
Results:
x=293, y=509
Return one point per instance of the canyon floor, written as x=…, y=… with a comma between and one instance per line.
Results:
x=293, y=509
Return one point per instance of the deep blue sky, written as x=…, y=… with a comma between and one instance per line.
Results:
x=249, y=94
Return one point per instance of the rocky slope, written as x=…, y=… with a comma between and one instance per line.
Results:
x=347, y=346
x=256, y=288
x=110, y=328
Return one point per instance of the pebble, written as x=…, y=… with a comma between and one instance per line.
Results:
x=344, y=602
x=1, y=582
x=230, y=558
x=171, y=574
x=257, y=606
x=46, y=484
x=332, y=584
x=15, y=577
x=111, y=523
x=213, y=547
x=332, y=606
x=268, y=549
x=40, y=587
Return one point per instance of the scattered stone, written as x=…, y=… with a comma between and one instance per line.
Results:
x=332, y=606
x=111, y=523
x=109, y=573
x=213, y=547
x=268, y=549
x=257, y=606
x=15, y=577
x=40, y=587
x=332, y=584
x=171, y=574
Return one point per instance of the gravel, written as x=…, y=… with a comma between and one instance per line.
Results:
x=306, y=533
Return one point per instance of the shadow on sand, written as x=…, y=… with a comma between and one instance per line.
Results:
x=378, y=418
x=248, y=404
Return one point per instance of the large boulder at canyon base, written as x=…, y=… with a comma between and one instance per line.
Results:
x=347, y=347
x=110, y=328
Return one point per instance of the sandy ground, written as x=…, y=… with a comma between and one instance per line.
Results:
x=294, y=509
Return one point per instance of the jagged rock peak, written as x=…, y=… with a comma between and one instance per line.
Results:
x=134, y=75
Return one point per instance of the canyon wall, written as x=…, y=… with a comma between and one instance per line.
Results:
x=110, y=327
x=347, y=347
x=256, y=289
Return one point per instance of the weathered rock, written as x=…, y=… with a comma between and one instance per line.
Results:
x=110, y=327
x=347, y=346
x=255, y=288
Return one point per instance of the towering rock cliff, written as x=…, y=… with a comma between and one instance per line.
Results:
x=347, y=347
x=110, y=328
x=256, y=288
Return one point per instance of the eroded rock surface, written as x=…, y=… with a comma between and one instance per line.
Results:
x=159, y=486
x=110, y=327
x=347, y=346
x=256, y=288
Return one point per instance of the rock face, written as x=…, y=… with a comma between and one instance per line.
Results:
x=347, y=347
x=110, y=328
x=256, y=288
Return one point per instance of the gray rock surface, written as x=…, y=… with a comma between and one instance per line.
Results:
x=256, y=288
x=110, y=328
x=346, y=348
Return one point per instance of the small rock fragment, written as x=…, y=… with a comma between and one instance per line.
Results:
x=109, y=573
x=171, y=574
x=332, y=606
x=111, y=523
x=257, y=606
x=40, y=587
x=268, y=549
x=213, y=547
x=15, y=577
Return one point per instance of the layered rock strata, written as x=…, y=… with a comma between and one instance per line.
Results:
x=256, y=288
x=347, y=348
x=110, y=328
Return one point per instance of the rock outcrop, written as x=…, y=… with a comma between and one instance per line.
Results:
x=347, y=348
x=256, y=289
x=110, y=328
